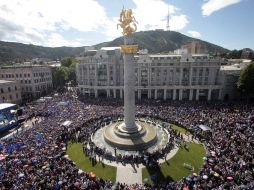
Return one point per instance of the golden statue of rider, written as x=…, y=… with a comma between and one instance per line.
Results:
x=127, y=22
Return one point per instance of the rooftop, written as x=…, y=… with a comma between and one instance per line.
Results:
x=6, y=81
x=6, y=105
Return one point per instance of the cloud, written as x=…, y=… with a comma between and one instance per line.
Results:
x=178, y=22
x=38, y=21
x=57, y=40
x=194, y=34
x=40, y=18
x=211, y=6
x=150, y=15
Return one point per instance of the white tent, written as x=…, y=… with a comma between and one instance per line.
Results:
x=67, y=123
x=204, y=128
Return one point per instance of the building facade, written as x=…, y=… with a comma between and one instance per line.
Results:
x=34, y=80
x=195, y=47
x=167, y=77
x=10, y=91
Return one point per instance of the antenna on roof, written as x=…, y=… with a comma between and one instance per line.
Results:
x=168, y=20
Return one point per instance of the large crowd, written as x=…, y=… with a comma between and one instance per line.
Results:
x=35, y=158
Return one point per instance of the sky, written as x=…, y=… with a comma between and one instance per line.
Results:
x=53, y=23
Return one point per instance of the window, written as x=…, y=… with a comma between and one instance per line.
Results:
x=24, y=75
x=28, y=75
x=20, y=75
x=10, y=97
x=17, y=75
x=15, y=87
x=17, y=95
x=2, y=90
x=9, y=89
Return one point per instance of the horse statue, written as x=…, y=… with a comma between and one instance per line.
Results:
x=127, y=22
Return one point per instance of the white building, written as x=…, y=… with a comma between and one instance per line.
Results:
x=34, y=80
x=168, y=77
x=10, y=91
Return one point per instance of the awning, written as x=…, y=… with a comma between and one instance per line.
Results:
x=205, y=128
x=66, y=123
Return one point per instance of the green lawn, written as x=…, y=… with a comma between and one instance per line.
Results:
x=75, y=152
x=179, y=129
x=173, y=169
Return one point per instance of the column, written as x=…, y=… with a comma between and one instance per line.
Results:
x=180, y=94
x=165, y=94
x=139, y=94
x=114, y=92
x=155, y=94
x=220, y=94
x=209, y=94
x=190, y=79
x=96, y=93
x=191, y=94
x=149, y=93
x=197, y=94
x=129, y=88
x=174, y=94
x=181, y=74
x=121, y=93
x=108, y=92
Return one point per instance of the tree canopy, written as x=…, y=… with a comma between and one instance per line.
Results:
x=65, y=73
x=245, y=82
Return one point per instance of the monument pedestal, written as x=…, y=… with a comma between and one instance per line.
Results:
x=142, y=139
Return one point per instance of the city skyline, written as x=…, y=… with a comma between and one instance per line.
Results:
x=80, y=23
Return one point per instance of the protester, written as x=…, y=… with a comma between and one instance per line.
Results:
x=35, y=157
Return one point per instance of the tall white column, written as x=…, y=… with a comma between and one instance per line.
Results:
x=174, y=94
x=114, y=92
x=121, y=93
x=165, y=94
x=149, y=93
x=197, y=94
x=155, y=94
x=139, y=94
x=191, y=94
x=129, y=89
x=180, y=94
x=209, y=94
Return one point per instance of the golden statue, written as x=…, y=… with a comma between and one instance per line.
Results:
x=127, y=22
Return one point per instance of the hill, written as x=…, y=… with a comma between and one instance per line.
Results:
x=158, y=41
x=11, y=51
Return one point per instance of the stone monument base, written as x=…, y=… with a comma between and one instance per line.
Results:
x=145, y=136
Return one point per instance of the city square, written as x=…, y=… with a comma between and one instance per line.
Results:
x=128, y=114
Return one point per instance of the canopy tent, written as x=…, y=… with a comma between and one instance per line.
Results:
x=67, y=123
x=41, y=100
x=62, y=104
x=204, y=128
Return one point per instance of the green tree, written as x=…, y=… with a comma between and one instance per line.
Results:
x=60, y=76
x=245, y=82
x=72, y=72
x=67, y=61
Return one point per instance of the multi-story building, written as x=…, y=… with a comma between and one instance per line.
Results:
x=168, y=77
x=195, y=47
x=10, y=91
x=34, y=80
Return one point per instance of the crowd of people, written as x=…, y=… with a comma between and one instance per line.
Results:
x=35, y=157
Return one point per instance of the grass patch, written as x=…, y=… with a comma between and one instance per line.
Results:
x=75, y=152
x=179, y=129
x=173, y=169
